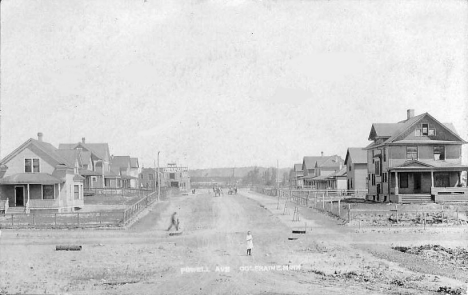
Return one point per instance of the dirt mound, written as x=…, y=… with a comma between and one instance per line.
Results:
x=457, y=257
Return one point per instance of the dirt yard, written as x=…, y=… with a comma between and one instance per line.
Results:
x=210, y=256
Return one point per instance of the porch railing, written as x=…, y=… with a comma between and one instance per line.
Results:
x=104, y=191
x=6, y=205
x=450, y=194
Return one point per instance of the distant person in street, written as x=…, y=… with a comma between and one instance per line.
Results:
x=174, y=221
x=249, y=243
x=235, y=190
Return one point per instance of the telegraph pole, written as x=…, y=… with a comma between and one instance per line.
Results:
x=277, y=185
x=159, y=181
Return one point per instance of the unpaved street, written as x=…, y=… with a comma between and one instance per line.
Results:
x=210, y=256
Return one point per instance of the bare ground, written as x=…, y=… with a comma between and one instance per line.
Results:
x=144, y=259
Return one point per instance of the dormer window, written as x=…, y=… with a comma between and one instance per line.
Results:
x=31, y=165
x=425, y=130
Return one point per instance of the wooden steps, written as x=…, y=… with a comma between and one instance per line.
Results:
x=15, y=210
x=416, y=198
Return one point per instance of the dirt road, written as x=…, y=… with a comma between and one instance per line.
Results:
x=210, y=256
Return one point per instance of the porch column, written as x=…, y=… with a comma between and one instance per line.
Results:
x=432, y=179
x=28, y=194
x=396, y=183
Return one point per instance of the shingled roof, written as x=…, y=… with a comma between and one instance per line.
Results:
x=100, y=150
x=358, y=155
x=297, y=167
x=390, y=132
x=49, y=152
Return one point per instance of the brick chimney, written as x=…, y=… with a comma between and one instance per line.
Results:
x=83, y=140
x=39, y=136
x=409, y=114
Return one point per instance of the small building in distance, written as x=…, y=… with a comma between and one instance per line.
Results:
x=147, y=178
x=295, y=176
x=356, y=163
x=176, y=177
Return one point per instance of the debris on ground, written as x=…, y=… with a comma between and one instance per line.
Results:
x=457, y=257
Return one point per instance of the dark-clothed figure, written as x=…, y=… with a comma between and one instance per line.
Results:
x=174, y=221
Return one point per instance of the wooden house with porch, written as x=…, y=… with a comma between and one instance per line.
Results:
x=295, y=176
x=96, y=163
x=36, y=176
x=316, y=170
x=415, y=160
x=356, y=163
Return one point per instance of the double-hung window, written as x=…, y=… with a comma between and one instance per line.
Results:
x=411, y=152
x=439, y=152
x=31, y=165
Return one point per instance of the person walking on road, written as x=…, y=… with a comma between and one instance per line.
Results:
x=174, y=221
x=249, y=243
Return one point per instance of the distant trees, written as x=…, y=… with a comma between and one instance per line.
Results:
x=255, y=177
x=252, y=177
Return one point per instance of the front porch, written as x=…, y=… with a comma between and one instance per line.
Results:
x=427, y=184
x=26, y=192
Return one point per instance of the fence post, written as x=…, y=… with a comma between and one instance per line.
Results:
x=396, y=209
x=457, y=217
x=34, y=218
x=349, y=213
x=55, y=219
x=12, y=219
x=339, y=208
x=323, y=200
x=100, y=218
x=78, y=215
x=424, y=220
x=331, y=206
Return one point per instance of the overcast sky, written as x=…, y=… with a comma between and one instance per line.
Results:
x=228, y=83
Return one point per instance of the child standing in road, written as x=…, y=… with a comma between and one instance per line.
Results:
x=249, y=243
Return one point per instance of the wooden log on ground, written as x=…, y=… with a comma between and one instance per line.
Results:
x=68, y=248
x=298, y=231
x=175, y=234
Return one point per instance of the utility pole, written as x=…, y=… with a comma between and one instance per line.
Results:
x=277, y=186
x=155, y=175
x=159, y=181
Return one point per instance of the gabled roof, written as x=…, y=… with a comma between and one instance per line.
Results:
x=388, y=130
x=358, y=156
x=391, y=131
x=340, y=173
x=311, y=162
x=71, y=156
x=85, y=157
x=49, y=150
x=100, y=150
x=297, y=167
x=331, y=161
x=120, y=161
x=119, y=164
